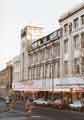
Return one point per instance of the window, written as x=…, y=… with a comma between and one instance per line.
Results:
x=36, y=57
x=29, y=73
x=82, y=19
x=82, y=65
x=42, y=53
x=65, y=67
x=76, y=66
x=53, y=35
x=41, y=41
x=41, y=72
x=56, y=50
x=76, y=23
x=76, y=41
x=65, y=46
x=58, y=69
x=47, y=70
x=55, y=69
x=70, y=27
x=65, y=28
x=38, y=72
x=82, y=40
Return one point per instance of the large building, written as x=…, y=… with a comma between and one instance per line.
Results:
x=55, y=62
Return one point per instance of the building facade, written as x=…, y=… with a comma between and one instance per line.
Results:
x=72, y=42
x=55, y=61
x=5, y=81
x=16, y=70
x=60, y=55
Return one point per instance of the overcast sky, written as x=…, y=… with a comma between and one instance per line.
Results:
x=14, y=14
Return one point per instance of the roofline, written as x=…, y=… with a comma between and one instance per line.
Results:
x=45, y=36
x=69, y=14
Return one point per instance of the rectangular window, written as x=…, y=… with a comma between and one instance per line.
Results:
x=65, y=28
x=76, y=66
x=82, y=65
x=65, y=67
x=82, y=19
x=58, y=69
x=76, y=23
x=76, y=41
x=70, y=27
x=66, y=46
x=41, y=72
x=82, y=40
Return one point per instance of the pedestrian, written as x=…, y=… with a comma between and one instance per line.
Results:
x=28, y=106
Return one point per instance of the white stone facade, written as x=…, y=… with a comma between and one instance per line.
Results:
x=72, y=42
x=61, y=53
x=57, y=56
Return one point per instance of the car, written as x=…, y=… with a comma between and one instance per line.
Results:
x=59, y=103
x=77, y=105
x=3, y=105
x=7, y=99
x=40, y=101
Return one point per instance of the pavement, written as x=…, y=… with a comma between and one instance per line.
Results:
x=41, y=113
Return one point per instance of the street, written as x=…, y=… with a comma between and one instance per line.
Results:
x=42, y=113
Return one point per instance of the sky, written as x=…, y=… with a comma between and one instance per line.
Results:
x=15, y=14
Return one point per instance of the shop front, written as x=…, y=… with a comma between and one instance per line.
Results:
x=72, y=88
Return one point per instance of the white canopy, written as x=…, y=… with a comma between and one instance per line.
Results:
x=49, y=84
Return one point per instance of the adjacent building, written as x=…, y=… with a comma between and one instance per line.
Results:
x=5, y=81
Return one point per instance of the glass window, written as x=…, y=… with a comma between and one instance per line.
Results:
x=76, y=41
x=82, y=65
x=57, y=50
x=70, y=27
x=76, y=23
x=58, y=69
x=82, y=40
x=65, y=28
x=76, y=66
x=66, y=46
x=41, y=72
x=65, y=67
x=82, y=19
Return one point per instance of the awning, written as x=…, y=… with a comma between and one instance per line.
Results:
x=26, y=86
x=70, y=82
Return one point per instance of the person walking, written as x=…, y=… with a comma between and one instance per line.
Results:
x=28, y=106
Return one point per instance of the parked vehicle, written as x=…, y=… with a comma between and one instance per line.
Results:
x=7, y=99
x=40, y=101
x=50, y=103
x=59, y=103
x=77, y=105
x=3, y=105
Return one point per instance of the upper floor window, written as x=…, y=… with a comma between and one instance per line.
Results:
x=76, y=41
x=82, y=65
x=76, y=65
x=65, y=28
x=65, y=46
x=70, y=27
x=82, y=19
x=56, y=50
x=65, y=67
x=76, y=23
x=82, y=40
